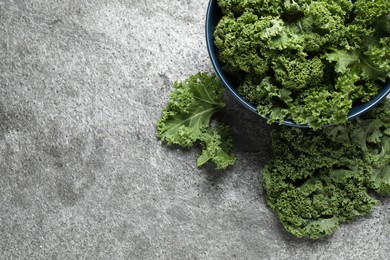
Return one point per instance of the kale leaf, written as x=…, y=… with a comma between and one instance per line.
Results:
x=186, y=119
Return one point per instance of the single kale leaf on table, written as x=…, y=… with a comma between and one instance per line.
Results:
x=186, y=119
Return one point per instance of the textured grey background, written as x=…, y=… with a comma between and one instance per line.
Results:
x=82, y=174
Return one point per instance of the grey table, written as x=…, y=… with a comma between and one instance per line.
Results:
x=82, y=174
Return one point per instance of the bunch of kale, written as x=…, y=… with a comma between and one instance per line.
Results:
x=318, y=179
x=306, y=60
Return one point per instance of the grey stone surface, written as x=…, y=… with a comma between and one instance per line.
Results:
x=82, y=175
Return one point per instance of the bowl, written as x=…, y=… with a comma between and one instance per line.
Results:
x=213, y=15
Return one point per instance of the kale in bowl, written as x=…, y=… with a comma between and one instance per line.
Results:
x=302, y=62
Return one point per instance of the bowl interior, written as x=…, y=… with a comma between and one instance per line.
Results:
x=214, y=14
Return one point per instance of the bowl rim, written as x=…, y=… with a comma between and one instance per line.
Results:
x=354, y=112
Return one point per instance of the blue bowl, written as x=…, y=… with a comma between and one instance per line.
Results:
x=214, y=14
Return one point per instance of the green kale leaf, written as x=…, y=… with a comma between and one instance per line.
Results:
x=186, y=119
x=370, y=64
x=216, y=147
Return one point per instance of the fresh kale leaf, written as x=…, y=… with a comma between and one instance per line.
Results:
x=186, y=119
x=216, y=147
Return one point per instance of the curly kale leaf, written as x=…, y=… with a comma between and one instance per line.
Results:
x=315, y=203
x=367, y=12
x=319, y=179
x=369, y=64
x=321, y=106
x=216, y=147
x=186, y=119
x=297, y=73
x=266, y=92
x=325, y=18
x=239, y=41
